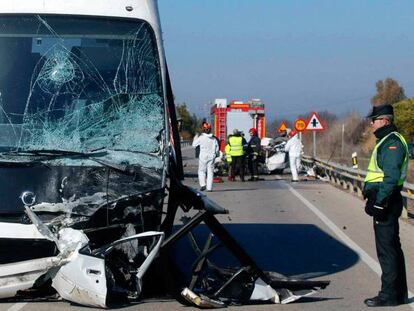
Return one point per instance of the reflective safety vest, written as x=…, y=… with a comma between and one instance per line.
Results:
x=375, y=173
x=227, y=152
x=236, y=146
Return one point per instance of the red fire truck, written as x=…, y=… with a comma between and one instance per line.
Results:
x=237, y=115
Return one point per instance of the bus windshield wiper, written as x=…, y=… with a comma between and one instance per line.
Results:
x=54, y=153
x=39, y=155
x=151, y=154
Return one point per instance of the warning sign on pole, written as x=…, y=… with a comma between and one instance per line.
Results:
x=300, y=125
x=282, y=127
x=314, y=123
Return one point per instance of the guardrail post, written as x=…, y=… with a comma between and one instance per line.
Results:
x=338, y=180
x=351, y=187
x=344, y=185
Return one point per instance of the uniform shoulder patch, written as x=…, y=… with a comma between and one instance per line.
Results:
x=392, y=147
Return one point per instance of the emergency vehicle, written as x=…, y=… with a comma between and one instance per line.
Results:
x=237, y=115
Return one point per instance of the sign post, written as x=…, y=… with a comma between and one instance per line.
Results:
x=314, y=124
x=314, y=144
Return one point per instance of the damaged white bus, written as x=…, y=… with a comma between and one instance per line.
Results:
x=89, y=151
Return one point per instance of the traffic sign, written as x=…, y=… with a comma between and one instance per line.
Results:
x=300, y=125
x=282, y=127
x=314, y=123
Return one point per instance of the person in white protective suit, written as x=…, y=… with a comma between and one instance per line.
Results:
x=209, y=149
x=294, y=148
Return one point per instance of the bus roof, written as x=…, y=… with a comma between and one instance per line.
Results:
x=140, y=9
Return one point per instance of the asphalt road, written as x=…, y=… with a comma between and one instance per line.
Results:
x=308, y=229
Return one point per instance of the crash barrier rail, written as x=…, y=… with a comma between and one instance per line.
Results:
x=352, y=179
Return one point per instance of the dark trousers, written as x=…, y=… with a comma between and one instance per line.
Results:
x=253, y=167
x=237, y=166
x=229, y=165
x=390, y=255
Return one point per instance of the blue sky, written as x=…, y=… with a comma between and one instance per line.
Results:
x=296, y=56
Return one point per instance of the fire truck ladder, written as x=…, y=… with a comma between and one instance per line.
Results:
x=222, y=114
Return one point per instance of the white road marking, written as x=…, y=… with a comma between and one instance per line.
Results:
x=371, y=262
x=17, y=306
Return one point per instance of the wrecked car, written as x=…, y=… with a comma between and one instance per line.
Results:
x=91, y=166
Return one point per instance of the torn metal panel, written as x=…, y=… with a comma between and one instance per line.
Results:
x=263, y=291
x=72, y=204
x=91, y=279
x=43, y=230
x=70, y=241
x=201, y=301
x=83, y=280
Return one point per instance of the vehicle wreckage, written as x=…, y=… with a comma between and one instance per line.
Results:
x=91, y=167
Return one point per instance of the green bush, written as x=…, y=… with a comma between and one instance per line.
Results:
x=404, y=118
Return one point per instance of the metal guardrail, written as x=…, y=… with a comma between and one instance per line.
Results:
x=352, y=180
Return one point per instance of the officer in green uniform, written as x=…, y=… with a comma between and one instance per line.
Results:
x=386, y=173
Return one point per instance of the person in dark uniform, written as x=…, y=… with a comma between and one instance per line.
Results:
x=386, y=173
x=253, y=151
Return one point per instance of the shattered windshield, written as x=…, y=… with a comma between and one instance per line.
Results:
x=80, y=84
